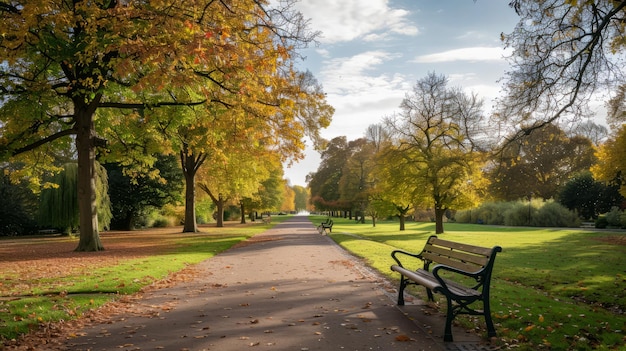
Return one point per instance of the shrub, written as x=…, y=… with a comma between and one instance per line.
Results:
x=161, y=223
x=553, y=214
x=463, y=216
x=490, y=213
x=613, y=218
x=519, y=214
x=601, y=222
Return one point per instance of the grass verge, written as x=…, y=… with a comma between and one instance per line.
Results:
x=558, y=289
x=27, y=303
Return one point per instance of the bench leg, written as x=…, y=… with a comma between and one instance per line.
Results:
x=429, y=293
x=401, y=291
x=447, y=335
x=491, y=330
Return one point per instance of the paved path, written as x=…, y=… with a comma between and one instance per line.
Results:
x=289, y=288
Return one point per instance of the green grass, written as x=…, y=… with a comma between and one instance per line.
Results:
x=560, y=289
x=67, y=297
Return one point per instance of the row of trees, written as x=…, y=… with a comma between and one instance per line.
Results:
x=439, y=153
x=128, y=202
x=438, y=149
x=213, y=82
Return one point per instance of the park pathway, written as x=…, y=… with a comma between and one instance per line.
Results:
x=289, y=288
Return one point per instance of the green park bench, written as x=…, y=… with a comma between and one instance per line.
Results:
x=469, y=265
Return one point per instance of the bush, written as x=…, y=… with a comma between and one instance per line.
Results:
x=553, y=214
x=161, y=223
x=520, y=213
x=614, y=217
x=601, y=222
x=491, y=213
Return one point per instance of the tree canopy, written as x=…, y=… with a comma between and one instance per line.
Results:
x=539, y=164
x=64, y=62
x=436, y=145
x=562, y=53
x=611, y=166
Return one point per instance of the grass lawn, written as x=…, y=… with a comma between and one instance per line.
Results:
x=44, y=281
x=558, y=289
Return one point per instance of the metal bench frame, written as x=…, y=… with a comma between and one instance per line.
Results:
x=447, y=256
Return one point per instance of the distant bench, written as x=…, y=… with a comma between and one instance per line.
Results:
x=267, y=219
x=328, y=224
x=468, y=263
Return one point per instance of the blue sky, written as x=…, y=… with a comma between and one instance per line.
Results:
x=372, y=52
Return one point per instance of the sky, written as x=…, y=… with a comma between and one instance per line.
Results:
x=372, y=52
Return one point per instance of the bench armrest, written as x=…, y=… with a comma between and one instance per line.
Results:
x=478, y=276
x=455, y=270
x=406, y=253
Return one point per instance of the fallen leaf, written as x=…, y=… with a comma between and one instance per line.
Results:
x=402, y=337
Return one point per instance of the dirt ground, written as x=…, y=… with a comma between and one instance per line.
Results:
x=53, y=255
x=24, y=259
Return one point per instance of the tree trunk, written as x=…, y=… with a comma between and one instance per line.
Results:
x=402, y=211
x=402, y=220
x=129, y=221
x=190, y=163
x=190, y=225
x=87, y=206
x=439, y=212
x=243, y=212
x=220, y=211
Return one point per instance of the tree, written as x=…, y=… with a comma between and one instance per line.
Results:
x=233, y=177
x=611, y=166
x=301, y=198
x=271, y=190
x=63, y=62
x=588, y=197
x=562, y=53
x=435, y=146
x=58, y=206
x=133, y=195
x=539, y=164
x=289, y=198
x=597, y=133
x=356, y=178
x=393, y=193
x=17, y=208
x=324, y=183
x=616, y=108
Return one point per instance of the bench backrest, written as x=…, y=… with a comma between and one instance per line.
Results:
x=468, y=258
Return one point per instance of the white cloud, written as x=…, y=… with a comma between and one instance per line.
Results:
x=346, y=20
x=465, y=54
x=360, y=92
x=356, y=74
x=323, y=52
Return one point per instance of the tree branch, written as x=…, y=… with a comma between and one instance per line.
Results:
x=43, y=141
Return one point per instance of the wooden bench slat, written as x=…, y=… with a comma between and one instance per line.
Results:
x=464, y=256
x=467, y=267
x=485, y=251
